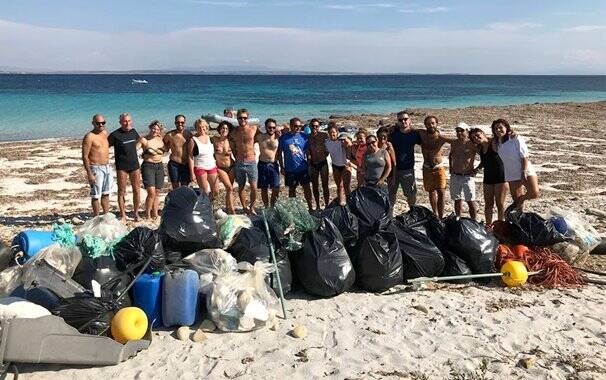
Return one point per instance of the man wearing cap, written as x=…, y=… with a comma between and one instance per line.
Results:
x=434, y=172
x=403, y=138
x=462, y=185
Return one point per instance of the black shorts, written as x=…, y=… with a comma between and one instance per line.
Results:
x=319, y=166
x=178, y=172
x=296, y=179
x=152, y=174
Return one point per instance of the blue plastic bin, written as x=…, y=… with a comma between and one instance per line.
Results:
x=30, y=242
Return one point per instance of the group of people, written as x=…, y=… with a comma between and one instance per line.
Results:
x=384, y=160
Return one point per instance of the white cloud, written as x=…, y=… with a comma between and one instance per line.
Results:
x=356, y=7
x=231, y=4
x=487, y=50
x=513, y=26
x=425, y=10
x=585, y=28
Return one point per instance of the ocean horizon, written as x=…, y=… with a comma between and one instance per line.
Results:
x=37, y=106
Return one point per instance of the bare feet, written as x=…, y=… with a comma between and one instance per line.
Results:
x=252, y=211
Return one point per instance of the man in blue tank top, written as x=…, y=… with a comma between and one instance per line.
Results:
x=293, y=150
x=403, y=138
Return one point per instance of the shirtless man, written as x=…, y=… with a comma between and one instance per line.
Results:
x=318, y=166
x=434, y=172
x=178, y=170
x=243, y=146
x=125, y=141
x=462, y=184
x=95, y=156
x=225, y=165
x=268, y=167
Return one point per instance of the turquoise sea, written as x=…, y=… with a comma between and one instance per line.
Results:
x=41, y=106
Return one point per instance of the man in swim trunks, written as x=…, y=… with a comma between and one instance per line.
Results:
x=461, y=161
x=268, y=167
x=403, y=138
x=178, y=169
x=318, y=166
x=125, y=141
x=434, y=171
x=95, y=156
x=292, y=156
x=243, y=146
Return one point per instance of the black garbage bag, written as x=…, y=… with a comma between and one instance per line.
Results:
x=372, y=208
x=103, y=271
x=323, y=266
x=424, y=220
x=379, y=262
x=135, y=248
x=470, y=241
x=188, y=220
x=250, y=245
x=345, y=221
x=88, y=314
x=420, y=256
x=528, y=228
x=455, y=266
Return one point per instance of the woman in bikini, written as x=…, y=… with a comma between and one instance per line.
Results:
x=152, y=169
x=383, y=143
x=202, y=164
x=225, y=165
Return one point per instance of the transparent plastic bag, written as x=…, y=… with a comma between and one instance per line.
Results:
x=289, y=220
x=106, y=226
x=63, y=258
x=215, y=262
x=242, y=301
x=584, y=235
x=229, y=226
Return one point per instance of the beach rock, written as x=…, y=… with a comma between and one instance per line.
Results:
x=199, y=336
x=528, y=362
x=183, y=333
x=299, y=332
x=420, y=308
x=61, y=220
x=207, y=326
x=77, y=221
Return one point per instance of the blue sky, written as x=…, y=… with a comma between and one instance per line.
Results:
x=485, y=37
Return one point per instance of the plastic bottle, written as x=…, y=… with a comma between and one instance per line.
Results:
x=147, y=295
x=180, y=297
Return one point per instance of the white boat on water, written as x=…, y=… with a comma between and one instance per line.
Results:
x=139, y=81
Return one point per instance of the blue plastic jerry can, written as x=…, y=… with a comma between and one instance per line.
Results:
x=146, y=294
x=180, y=297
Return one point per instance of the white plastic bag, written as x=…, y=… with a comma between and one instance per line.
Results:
x=229, y=226
x=105, y=226
x=584, y=235
x=242, y=301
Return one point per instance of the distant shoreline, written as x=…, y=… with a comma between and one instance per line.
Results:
x=279, y=73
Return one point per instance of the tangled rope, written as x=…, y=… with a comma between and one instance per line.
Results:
x=556, y=273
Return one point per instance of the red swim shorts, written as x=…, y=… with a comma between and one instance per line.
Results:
x=200, y=171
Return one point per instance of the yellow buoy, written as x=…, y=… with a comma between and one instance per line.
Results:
x=514, y=273
x=129, y=323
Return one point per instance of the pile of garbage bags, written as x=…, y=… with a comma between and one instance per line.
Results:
x=201, y=261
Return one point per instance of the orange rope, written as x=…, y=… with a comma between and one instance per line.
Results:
x=557, y=273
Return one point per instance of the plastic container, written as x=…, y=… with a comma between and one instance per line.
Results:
x=147, y=295
x=180, y=298
x=30, y=241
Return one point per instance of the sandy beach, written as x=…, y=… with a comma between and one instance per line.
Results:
x=447, y=331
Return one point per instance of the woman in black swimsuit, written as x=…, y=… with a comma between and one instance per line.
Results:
x=494, y=185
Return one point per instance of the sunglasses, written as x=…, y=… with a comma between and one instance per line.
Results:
x=242, y=117
x=100, y=122
x=271, y=128
x=179, y=122
x=403, y=119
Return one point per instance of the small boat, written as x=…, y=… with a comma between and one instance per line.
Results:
x=139, y=81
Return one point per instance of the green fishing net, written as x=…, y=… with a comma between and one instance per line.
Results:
x=290, y=220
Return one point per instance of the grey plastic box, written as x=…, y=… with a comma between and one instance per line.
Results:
x=49, y=339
